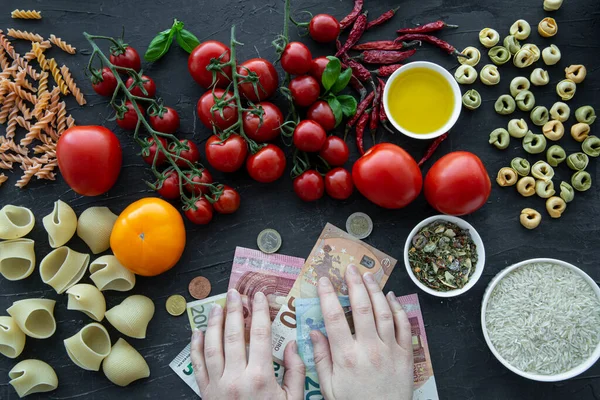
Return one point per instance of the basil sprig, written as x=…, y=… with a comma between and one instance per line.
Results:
x=161, y=43
x=335, y=80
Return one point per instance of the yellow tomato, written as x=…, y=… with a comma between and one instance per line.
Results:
x=148, y=237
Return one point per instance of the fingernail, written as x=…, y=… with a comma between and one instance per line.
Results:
x=233, y=295
x=369, y=277
x=196, y=336
x=216, y=310
x=391, y=295
x=294, y=346
x=352, y=269
x=259, y=298
x=324, y=281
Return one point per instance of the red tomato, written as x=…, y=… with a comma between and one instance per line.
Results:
x=267, y=165
x=89, y=158
x=201, y=213
x=335, y=151
x=317, y=66
x=228, y=202
x=272, y=118
x=202, y=56
x=127, y=59
x=209, y=118
x=170, y=186
x=266, y=75
x=305, y=90
x=324, y=28
x=321, y=113
x=338, y=183
x=457, y=184
x=296, y=58
x=166, y=121
x=309, y=136
x=388, y=176
x=228, y=156
x=106, y=85
x=130, y=117
x=161, y=159
x=309, y=186
x=204, y=177
x=192, y=154
x=147, y=83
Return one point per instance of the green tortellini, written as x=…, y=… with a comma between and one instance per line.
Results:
x=471, y=99
x=505, y=105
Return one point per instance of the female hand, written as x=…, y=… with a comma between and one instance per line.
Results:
x=378, y=362
x=219, y=358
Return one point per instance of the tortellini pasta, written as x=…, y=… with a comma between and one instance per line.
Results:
x=35, y=317
x=517, y=128
x=580, y=131
x=489, y=75
x=576, y=73
x=87, y=299
x=511, y=44
x=465, y=74
x=94, y=227
x=518, y=84
x=525, y=100
x=107, y=273
x=499, y=138
x=471, y=99
x=566, y=89
x=15, y=222
x=17, y=258
x=520, y=29
x=88, y=347
x=505, y=105
x=552, y=5
x=544, y=188
x=553, y=130
x=132, y=316
x=547, y=27
x=472, y=56
x=12, y=338
x=63, y=268
x=534, y=143
x=542, y=170
x=499, y=55
x=489, y=37
x=124, y=364
x=533, y=49
x=539, y=115
x=539, y=77
x=551, y=55
x=560, y=111
x=524, y=58
x=566, y=192
x=60, y=224
x=585, y=114
x=32, y=376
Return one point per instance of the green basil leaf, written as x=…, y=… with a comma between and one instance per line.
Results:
x=177, y=25
x=187, y=40
x=331, y=73
x=159, y=45
x=342, y=81
x=348, y=104
x=336, y=107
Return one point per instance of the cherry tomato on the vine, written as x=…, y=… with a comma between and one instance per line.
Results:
x=227, y=156
x=296, y=58
x=170, y=186
x=127, y=59
x=201, y=213
x=204, y=177
x=317, y=67
x=210, y=118
x=309, y=186
x=200, y=58
x=321, y=113
x=305, y=90
x=338, y=183
x=147, y=83
x=106, y=85
x=324, y=28
x=161, y=158
x=309, y=136
x=267, y=83
x=269, y=128
x=130, y=118
x=192, y=154
x=267, y=165
x=228, y=202
x=335, y=151
x=167, y=121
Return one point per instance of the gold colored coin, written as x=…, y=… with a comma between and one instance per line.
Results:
x=176, y=305
x=199, y=287
x=269, y=241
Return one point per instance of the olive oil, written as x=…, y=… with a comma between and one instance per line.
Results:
x=420, y=100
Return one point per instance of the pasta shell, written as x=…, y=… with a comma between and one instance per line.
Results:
x=108, y=274
x=35, y=317
x=132, y=316
x=12, y=338
x=94, y=227
x=124, y=364
x=32, y=376
x=87, y=299
x=88, y=347
x=61, y=224
x=17, y=259
x=63, y=268
x=15, y=222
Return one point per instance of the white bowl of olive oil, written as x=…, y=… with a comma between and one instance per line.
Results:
x=422, y=100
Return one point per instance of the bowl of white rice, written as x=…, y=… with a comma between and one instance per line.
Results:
x=541, y=319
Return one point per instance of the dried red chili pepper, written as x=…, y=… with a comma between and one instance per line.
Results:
x=360, y=109
x=359, y=87
x=350, y=18
x=432, y=147
x=447, y=47
x=379, y=45
x=360, y=131
x=374, y=122
x=386, y=70
x=386, y=16
x=385, y=57
x=355, y=34
x=430, y=27
x=358, y=70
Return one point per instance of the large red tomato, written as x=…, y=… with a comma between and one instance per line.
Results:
x=267, y=83
x=457, y=184
x=227, y=156
x=267, y=165
x=209, y=117
x=388, y=176
x=202, y=56
x=89, y=158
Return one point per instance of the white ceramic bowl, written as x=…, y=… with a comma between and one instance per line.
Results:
x=537, y=377
x=480, y=255
x=455, y=90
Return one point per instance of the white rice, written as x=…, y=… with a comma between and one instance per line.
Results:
x=543, y=318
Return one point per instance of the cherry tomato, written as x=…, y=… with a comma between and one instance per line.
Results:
x=335, y=151
x=228, y=202
x=228, y=156
x=201, y=213
x=305, y=90
x=267, y=83
x=321, y=113
x=309, y=186
x=161, y=158
x=267, y=165
x=89, y=159
x=269, y=129
x=106, y=85
x=317, y=67
x=200, y=58
x=296, y=58
x=204, y=177
x=388, y=176
x=209, y=118
x=170, y=186
x=457, y=184
x=192, y=154
x=338, y=183
x=130, y=117
x=309, y=136
x=127, y=59
x=147, y=83
x=324, y=28
x=167, y=121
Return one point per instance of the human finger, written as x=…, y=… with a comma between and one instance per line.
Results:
x=401, y=323
x=323, y=358
x=213, y=343
x=260, y=334
x=198, y=363
x=383, y=315
x=362, y=310
x=293, y=380
x=235, y=343
x=338, y=331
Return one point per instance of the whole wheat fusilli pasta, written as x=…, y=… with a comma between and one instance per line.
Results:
x=9, y=72
x=3, y=178
x=20, y=91
x=25, y=35
x=29, y=14
x=70, y=122
x=43, y=148
x=4, y=63
x=61, y=118
x=54, y=98
x=72, y=86
x=6, y=165
x=26, y=111
x=36, y=129
x=22, y=81
x=23, y=123
x=46, y=171
x=61, y=44
x=43, y=83
x=9, y=102
x=5, y=43
x=11, y=127
x=23, y=64
x=30, y=171
x=41, y=105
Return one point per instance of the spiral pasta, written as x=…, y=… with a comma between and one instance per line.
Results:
x=95, y=226
x=107, y=273
x=12, y=338
x=15, y=222
x=87, y=299
x=61, y=44
x=63, y=268
x=35, y=317
x=132, y=316
x=60, y=224
x=29, y=14
x=124, y=364
x=17, y=259
x=72, y=86
x=32, y=376
x=89, y=347
x=20, y=91
x=25, y=35
x=55, y=71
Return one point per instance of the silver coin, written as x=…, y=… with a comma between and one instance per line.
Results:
x=359, y=225
x=269, y=241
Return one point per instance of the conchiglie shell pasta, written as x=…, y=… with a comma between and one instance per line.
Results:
x=15, y=222
x=88, y=347
x=94, y=227
x=35, y=317
x=132, y=316
x=32, y=376
x=12, y=338
x=63, y=268
x=87, y=299
x=108, y=274
x=60, y=224
x=124, y=364
x=17, y=259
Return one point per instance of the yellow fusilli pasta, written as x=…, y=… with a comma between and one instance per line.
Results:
x=58, y=78
x=43, y=83
x=29, y=14
x=61, y=44
x=39, y=54
x=72, y=86
x=42, y=104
